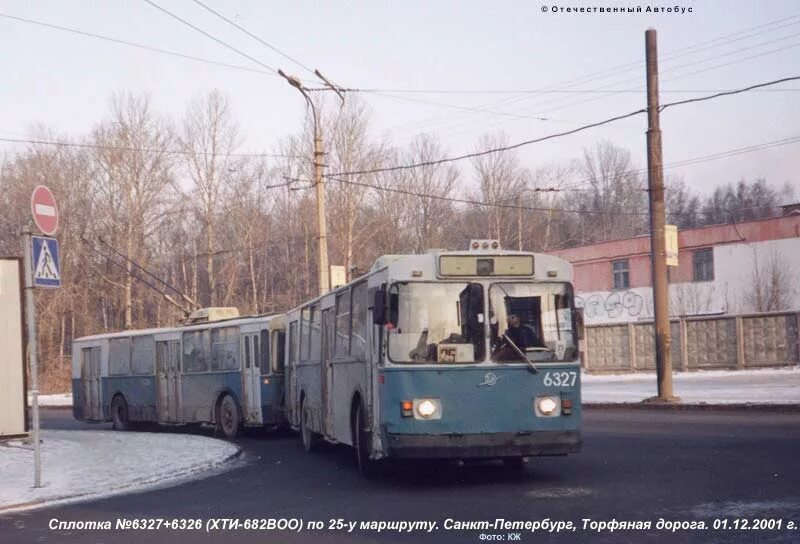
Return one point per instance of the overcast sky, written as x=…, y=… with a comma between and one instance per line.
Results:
x=64, y=81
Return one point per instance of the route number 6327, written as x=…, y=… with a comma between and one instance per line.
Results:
x=560, y=379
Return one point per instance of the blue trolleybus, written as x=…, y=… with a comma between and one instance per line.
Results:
x=227, y=371
x=450, y=355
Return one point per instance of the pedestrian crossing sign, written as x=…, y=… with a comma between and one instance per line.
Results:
x=46, y=263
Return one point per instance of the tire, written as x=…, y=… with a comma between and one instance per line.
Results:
x=362, y=441
x=228, y=417
x=310, y=438
x=119, y=414
x=517, y=464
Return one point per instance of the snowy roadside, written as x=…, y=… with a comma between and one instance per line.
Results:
x=59, y=400
x=710, y=387
x=713, y=387
x=81, y=465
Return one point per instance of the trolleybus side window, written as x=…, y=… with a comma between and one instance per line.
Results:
x=358, y=335
x=195, y=351
x=342, y=341
x=315, y=334
x=305, y=316
x=436, y=322
x=225, y=348
x=263, y=360
x=292, y=342
x=119, y=356
x=278, y=361
x=143, y=355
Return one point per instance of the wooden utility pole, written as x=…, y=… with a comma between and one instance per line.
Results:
x=655, y=175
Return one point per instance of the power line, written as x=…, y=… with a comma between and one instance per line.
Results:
x=138, y=45
x=729, y=93
x=204, y=33
x=144, y=149
x=611, y=92
x=571, y=104
x=500, y=204
x=136, y=276
x=143, y=269
x=570, y=186
x=560, y=134
x=258, y=39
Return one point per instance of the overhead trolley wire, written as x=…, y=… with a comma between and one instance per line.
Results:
x=144, y=149
x=255, y=37
x=560, y=134
x=137, y=45
x=208, y=35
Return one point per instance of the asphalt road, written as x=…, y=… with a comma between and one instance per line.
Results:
x=636, y=466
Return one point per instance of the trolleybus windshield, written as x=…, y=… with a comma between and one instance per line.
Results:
x=537, y=317
x=436, y=323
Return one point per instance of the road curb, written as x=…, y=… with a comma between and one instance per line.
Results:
x=739, y=407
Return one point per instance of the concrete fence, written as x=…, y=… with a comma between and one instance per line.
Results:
x=698, y=343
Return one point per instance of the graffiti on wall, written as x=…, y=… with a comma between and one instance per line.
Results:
x=611, y=306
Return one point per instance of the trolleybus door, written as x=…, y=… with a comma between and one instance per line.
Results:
x=168, y=372
x=251, y=379
x=326, y=379
x=92, y=407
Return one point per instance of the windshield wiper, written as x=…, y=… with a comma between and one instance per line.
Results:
x=521, y=353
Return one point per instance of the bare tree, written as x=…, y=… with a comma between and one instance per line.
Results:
x=500, y=179
x=209, y=136
x=773, y=286
x=133, y=179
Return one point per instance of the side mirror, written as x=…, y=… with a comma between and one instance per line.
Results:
x=379, y=307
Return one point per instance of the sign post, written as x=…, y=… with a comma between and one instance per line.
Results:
x=30, y=312
x=42, y=270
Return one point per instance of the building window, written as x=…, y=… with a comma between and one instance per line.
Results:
x=619, y=270
x=703, y=260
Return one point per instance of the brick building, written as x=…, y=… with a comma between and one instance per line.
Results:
x=723, y=269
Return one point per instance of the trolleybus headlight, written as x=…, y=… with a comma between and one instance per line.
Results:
x=546, y=406
x=427, y=409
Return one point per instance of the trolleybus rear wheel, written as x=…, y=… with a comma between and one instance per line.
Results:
x=228, y=417
x=309, y=437
x=366, y=466
x=119, y=414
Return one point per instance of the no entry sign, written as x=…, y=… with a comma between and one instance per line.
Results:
x=44, y=209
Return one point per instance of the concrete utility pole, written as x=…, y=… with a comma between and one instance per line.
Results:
x=322, y=229
x=655, y=175
x=30, y=313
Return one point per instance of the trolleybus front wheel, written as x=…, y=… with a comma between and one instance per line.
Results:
x=119, y=414
x=366, y=466
x=228, y=417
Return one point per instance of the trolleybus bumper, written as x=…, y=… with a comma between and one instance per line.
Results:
x=463, y=446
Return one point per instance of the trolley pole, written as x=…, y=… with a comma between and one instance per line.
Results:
x=655, y=175
x=30, y=313
x=319, y=184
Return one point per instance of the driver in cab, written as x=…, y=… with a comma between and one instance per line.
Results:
x=521, y=335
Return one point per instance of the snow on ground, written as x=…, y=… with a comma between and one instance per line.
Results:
x=765, y=386
x=90, y=464
x=60, y=399
x=758, y=386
